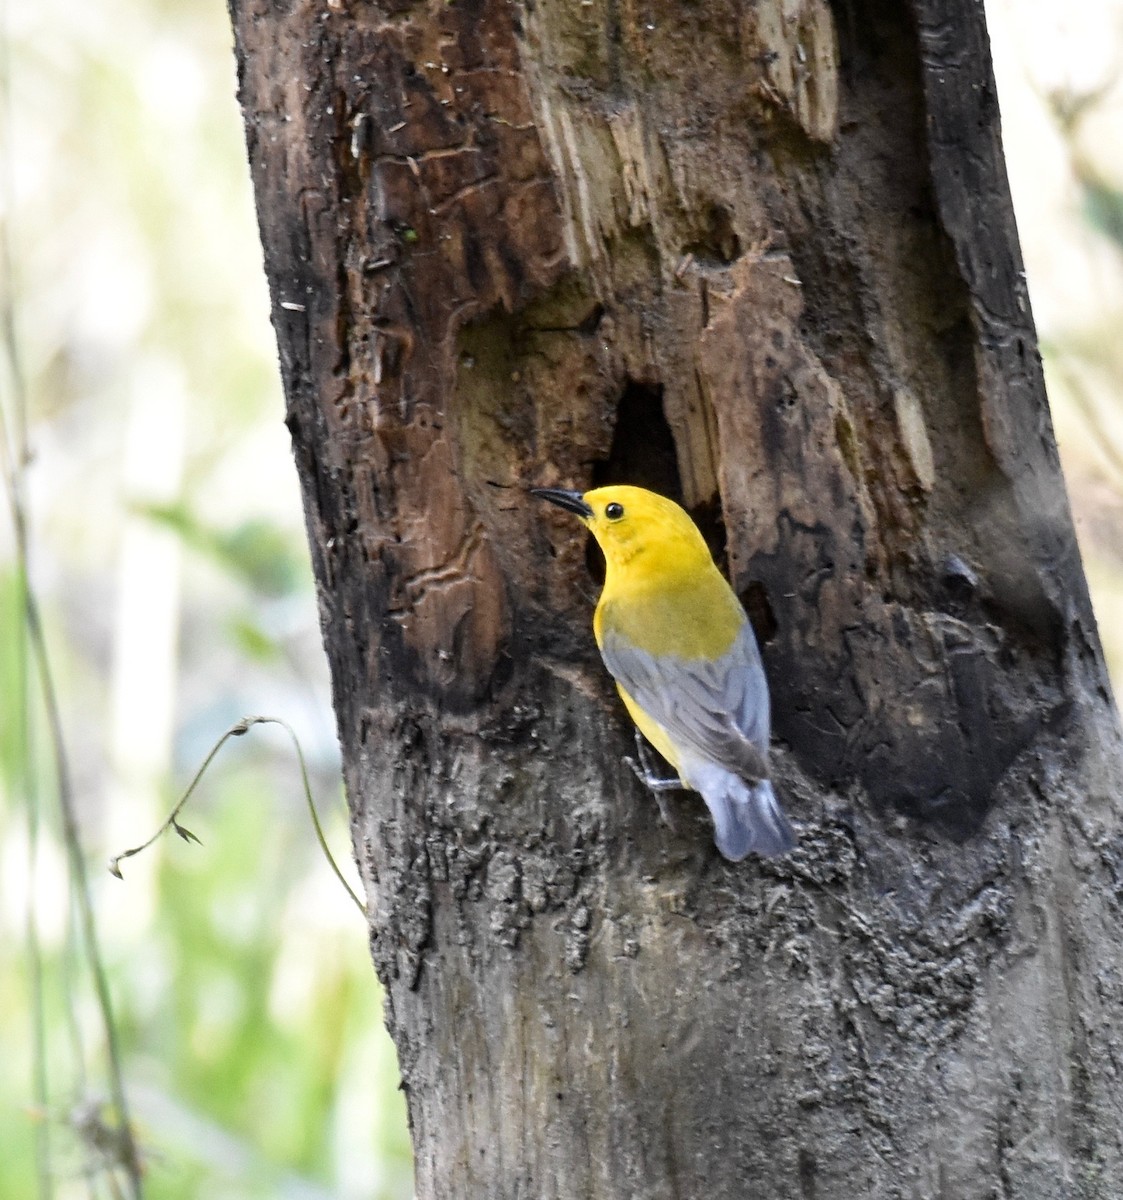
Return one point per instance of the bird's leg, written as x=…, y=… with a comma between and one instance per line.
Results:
x=645, y=773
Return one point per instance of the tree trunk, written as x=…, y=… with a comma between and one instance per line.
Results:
x=760, y=257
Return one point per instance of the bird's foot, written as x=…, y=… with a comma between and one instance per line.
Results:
x=657, y=785
x=644, y=771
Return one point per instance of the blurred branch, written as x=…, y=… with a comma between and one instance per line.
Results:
x=129, y=1159
x=1069, y=106
x=239, y=729
x=1102, y=202
x=13, y=458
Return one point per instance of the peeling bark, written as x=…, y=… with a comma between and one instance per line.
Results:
x=761, y=258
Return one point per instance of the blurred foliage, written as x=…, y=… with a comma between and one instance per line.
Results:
x=248, y=1019
x=167, y=548
x=168, y=551
x=11, y=614
x=1103, y=209
x=262, y=555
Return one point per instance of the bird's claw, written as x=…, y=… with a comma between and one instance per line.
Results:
x=650, y=780
x=645, y=773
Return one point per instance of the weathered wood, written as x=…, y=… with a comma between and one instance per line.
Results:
x=760, y=257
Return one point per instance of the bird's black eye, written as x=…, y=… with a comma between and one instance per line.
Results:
x=614, y=511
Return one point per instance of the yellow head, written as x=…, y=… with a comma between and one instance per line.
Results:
x=638, y=530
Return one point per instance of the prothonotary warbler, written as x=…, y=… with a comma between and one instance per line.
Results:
x=685, y=660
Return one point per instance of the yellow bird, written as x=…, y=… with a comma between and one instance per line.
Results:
x=685, y=660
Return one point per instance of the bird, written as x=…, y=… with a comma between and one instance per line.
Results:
x=676, y=639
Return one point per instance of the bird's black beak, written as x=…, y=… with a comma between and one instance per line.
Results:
x=570, y=501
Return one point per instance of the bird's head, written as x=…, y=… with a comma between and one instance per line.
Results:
x=634, y=526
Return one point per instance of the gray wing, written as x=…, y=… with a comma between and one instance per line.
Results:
x=718, y=710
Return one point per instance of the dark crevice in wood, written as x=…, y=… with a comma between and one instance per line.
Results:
x=717, y=243
x=761, y=614
x=643, y=447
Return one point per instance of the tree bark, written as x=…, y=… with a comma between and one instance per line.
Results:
x=760, y=257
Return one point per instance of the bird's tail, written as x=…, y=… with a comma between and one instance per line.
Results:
x=747, y=816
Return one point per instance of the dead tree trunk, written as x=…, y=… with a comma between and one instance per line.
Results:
x=760, y=257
